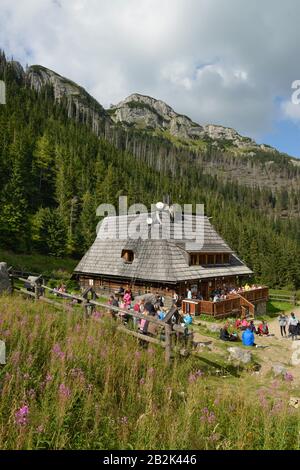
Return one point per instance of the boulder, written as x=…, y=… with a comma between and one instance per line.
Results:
x=294, y=402
x=5, y=284
x=239, y=355
x=214, y=328
x=279, y=369
x=2, y=353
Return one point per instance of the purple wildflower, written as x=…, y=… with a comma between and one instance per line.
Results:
x=21, y=416
x=57, y=351
x=288, y=377
x=64, y=391
x=207, y=416
x=142, y=381
x=192, y=378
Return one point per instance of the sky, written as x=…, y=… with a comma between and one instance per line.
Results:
x=228, y=62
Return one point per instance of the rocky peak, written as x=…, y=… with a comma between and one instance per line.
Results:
x=80, y=104
x=148, y=113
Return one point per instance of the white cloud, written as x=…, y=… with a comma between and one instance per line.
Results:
x=218, y=61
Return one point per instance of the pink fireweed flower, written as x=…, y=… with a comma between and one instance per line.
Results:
x=288, y=377
x=64, y=391
x=21, y=416
x=207, y=416
x=142, y=381
x=192, y=378
x=58, y=352
x=151, y=371
x=49, y=377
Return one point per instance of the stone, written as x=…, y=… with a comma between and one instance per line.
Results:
x=214, y=328
x=279, y=369
x=294, y=402
x=2, y=353
x=5, y=284
x=239, y=355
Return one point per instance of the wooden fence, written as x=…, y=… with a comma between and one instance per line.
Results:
x=37, y=290
x=290, y=298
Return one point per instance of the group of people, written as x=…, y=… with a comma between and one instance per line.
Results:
x=248, y=330
x=222, y=294
x=292, y=323
x=148, y=307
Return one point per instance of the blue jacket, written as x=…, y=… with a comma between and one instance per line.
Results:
x=248, y=338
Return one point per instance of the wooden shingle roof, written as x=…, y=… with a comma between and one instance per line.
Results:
x=164, y=259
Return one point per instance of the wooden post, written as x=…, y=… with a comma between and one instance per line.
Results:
x=168, y=333
x=36, y=291
x=295, y=298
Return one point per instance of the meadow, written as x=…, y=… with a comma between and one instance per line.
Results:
x=77, y=383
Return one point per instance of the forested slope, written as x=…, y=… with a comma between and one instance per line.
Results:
x=57, y=165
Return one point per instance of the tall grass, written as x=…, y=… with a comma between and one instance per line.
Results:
x=75, y=383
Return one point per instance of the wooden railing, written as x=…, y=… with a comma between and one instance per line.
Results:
x=222, y=308
x=258, y=294
x=38, y=293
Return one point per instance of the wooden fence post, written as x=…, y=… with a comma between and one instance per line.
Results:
x=295, y=298
x=168, y=348
x=36, y=291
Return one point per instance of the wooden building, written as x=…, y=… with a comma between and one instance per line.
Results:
x=157, y=260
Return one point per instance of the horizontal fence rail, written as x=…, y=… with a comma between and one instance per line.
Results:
x=38, y=293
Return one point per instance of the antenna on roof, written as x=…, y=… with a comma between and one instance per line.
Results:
x=160, y=206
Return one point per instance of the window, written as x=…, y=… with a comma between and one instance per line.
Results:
x=128, y=256
x=203, y=259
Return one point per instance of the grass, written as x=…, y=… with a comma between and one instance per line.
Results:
x=47, y=265
x=76, y=383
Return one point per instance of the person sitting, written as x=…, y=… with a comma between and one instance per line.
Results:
x=161, y=314
x=246, y=287
x=263, y=329
x=248, y=337
x=238, y=323
x=226, y=336
x=187, y=319
x=217, y=298
x=244, y=324
x=252, y=326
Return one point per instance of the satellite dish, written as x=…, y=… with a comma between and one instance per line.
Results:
x=149, y=221
x=160, y=206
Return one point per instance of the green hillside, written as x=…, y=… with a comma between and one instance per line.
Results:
x=55, y=171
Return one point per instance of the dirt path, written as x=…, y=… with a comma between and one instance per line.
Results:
x=279, y=351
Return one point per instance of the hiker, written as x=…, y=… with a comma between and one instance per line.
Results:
x=263, y=329
x=226, y=336
x=189, y=294
x=283, y=320
x=187, y=319
x=248, y=338
x=127, y=299
x=244, y=324
x=161, y=314
x=293, y=326
x=252, y=326
x=114, y=303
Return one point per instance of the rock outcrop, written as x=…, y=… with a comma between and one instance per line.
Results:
x=5, y=284
x=144, y=112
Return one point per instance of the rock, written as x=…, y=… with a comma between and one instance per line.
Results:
x=294, y=402
x=279, y=369
x=214, y=328
x=5, y=284
x=2, y=353
x=239, y=355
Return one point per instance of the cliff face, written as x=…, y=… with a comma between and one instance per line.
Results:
x=147, y=113
x=79, y=103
